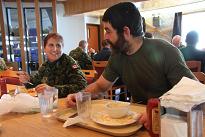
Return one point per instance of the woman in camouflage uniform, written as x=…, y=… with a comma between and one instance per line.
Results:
x=60, y=71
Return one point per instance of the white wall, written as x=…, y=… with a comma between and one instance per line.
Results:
x=72, y=29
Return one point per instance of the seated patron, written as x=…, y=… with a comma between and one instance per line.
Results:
x=148, y=67
x=60, y=71
x=190, y=52
x=176, y=41
x=80, y=55
x=104, y=54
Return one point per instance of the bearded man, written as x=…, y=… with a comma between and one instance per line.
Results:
x=148, y=67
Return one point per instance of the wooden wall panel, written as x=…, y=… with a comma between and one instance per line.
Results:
x=21, y=33
x=80, y=6
x=38, y=29
x=54, y=15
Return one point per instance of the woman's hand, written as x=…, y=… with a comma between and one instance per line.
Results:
x=71, y=102
x=41, y=87
x=23, y=76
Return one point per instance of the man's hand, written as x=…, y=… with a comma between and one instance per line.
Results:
x=143, y=120
x=71, y=102
x=41, y=87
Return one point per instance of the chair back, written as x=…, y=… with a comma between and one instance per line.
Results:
x=99, y=66
x=12, y=80
x=194, y=66
x=90, y=75
x=9, y=73
x=200, y=76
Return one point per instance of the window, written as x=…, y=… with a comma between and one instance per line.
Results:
x=194, y=22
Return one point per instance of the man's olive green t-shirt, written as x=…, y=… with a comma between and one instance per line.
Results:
x=151, y=71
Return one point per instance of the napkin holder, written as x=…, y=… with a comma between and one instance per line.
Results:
x=193, y=118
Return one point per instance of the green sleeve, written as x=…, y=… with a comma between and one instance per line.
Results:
x=175, y=66
x=76, y=83
x=110, y=73
x=36, y=78
x=87, y=61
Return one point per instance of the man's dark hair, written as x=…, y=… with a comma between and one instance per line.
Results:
x=148, y=35
x=192, y=38
x=124, y=14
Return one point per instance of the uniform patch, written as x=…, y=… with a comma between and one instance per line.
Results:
x=74, y=66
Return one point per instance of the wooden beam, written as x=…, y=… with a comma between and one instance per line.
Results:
x=54, y=15
x=38, y=29
x=21, y=33
x=3, y=34
x=73, y=7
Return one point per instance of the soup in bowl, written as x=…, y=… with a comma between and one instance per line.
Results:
x=117, y=109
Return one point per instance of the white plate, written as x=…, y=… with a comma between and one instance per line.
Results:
x=104, y=119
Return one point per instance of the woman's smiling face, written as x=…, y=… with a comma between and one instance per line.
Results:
x=53, y=49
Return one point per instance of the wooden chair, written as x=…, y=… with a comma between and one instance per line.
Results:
x=194, y=66
x=9, y=73
x=99, y=66
x=10, y=76
x=200, y=76
x=90, y=75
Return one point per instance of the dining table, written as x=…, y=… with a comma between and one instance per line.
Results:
x=34, y=125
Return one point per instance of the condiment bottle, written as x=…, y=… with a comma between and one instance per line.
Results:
x=3, y=89
x=153, y=117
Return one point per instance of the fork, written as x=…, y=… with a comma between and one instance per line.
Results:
x=29, y=83
x=17, y=91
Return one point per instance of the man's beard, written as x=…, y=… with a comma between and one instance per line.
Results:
x=121, y=45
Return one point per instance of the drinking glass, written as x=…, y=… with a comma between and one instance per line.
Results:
x=83, y=101
x=46, y=103
x=55, y=96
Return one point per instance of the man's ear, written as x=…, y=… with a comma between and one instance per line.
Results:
x=126, y=33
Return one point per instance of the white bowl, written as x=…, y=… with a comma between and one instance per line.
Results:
x=117, y=109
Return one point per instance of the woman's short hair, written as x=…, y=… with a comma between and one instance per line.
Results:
x=124, y=14
x=53, y=35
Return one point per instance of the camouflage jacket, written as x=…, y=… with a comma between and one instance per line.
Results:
x=64, y=74
x=83, y=59
x=2, y=64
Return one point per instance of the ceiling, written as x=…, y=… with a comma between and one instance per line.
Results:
x=151, y=5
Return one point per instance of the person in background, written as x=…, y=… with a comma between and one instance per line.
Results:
x=60, y=71
x=176, y=41
x=190, y=52
x=80, y=55
x=104, y=54
x=2, y=64
x=148, y=67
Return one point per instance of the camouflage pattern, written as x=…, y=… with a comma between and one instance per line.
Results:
x=2, y=64
x=84, y=60
x=64, y=74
